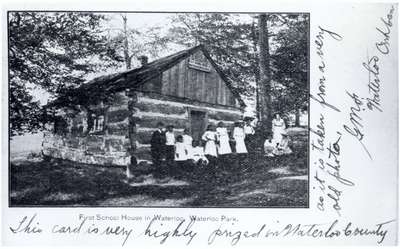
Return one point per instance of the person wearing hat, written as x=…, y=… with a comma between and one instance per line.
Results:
x=283, y=147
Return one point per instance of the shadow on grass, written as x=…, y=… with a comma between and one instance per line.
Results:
x=253, y=181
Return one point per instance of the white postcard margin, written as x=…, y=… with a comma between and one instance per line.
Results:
x=349, y=35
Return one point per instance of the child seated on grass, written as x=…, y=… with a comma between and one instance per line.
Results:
x=198, y=155
x=283, y=147
x=269, y=147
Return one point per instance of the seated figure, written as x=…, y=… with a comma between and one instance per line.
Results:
x=283, y=147
x=198, y=155
x=269, y=147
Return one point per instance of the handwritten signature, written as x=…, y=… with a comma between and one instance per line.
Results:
x=383, y=46
x=373, y=102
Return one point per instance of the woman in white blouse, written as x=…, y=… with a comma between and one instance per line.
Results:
x=239, y=136
x=278, y=128
x=224, y=147
x=210, y=136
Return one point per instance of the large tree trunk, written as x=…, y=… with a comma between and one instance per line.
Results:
x=264, y=84
x=127, y=58
x=298, y=114
x=256, y=69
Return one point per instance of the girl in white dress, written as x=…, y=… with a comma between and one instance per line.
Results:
x=223, y=138
x=181, y=153
x=188, y=140
x=239, y=136
x=278, y=128
x=210, y=149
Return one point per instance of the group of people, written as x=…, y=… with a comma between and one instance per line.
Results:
x=215, y=142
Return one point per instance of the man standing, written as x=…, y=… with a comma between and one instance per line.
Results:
x=158, y=144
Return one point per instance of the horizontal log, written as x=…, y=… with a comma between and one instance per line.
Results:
x=144, y=136
x=119, y=99
x=73, y=142
x=143, y=155
x=160, y=108
x=94, y=139
x=95, y=150
x=118, y=129
x=187, y=101
x=151, y=122
x=228, y=124
x=117, y=115
x=116, y=145
x=224, y=116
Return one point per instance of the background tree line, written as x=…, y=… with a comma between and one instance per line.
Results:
x=264, y=55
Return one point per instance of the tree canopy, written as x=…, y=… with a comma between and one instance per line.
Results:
x=55, y=51
x=233, y=42
x=52, y=51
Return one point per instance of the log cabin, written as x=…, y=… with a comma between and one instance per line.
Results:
x=110, y=119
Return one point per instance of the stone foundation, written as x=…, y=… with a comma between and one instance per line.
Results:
x=98, y=153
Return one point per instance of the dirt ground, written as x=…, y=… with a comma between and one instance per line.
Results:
x=253, y=181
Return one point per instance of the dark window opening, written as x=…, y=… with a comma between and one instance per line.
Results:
x=96, y=123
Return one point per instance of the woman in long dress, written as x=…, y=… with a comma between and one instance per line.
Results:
x=239, y=136
x=278, y=128
x=249, y=133
x=188, y=140
x=210, y=149
x=224, y=147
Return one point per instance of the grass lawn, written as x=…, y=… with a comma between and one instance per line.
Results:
x=254, y=181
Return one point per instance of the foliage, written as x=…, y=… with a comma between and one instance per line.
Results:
x=232, y=41
x=51, y=51
x=228, y=41
x=54, y=51
x=290, y=65
x=130, y=43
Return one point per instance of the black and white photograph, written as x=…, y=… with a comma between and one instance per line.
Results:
x=158, y=109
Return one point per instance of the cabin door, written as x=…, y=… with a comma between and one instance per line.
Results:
x=197, y=124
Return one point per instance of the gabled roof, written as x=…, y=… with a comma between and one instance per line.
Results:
x=136, y=77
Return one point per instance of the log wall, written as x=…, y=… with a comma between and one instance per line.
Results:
x=112, y=146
